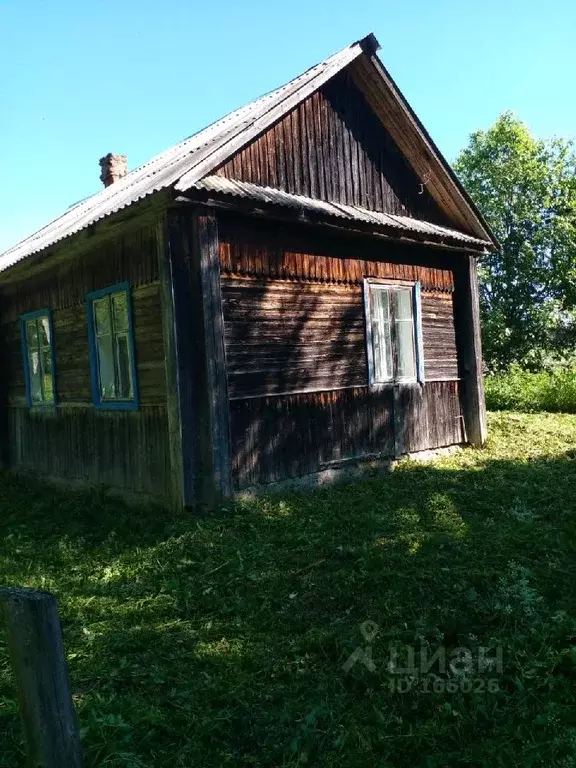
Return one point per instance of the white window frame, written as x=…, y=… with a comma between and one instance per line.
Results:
x=369, y=285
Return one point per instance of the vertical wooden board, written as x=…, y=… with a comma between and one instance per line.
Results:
x=99, y=447
x=285, y=437
x=417, y=431
x=206, y=254
x=467, y=311
x=345, y=152
x=174, y=298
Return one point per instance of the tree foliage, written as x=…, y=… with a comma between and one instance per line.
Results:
x=526, y=189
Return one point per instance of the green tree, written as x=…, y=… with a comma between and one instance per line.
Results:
x=526, y=189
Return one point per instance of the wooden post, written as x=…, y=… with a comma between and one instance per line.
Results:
x=468, y=330
x=206, y=255
x=34, y=640
x=194, y=337
x=178, y=347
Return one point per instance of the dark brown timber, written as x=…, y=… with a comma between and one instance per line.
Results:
x=127, y=451
x=179, y=399
x=473, y=402
x=334, y=147
x=213, y=407
x=253, y=333
x=296, y=353
x=34, y=638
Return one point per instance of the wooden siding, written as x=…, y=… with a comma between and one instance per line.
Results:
x=334, y=147
x=130, y=257
x=262, y=250
x=296, y=353
x=126, y=450
x=73, y=385
x=275, y=438
x=283, y=337
x=307, y=330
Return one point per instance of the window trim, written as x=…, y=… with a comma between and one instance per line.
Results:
x=45, y=312
x=97, y=401
x=416, y=290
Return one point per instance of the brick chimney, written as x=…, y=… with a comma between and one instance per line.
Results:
x=113, y=168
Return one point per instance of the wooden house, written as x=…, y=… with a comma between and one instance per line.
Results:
x=291, y=290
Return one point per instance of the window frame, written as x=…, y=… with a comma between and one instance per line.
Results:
x=44, y=405
x=416, y=305
x=97, y=401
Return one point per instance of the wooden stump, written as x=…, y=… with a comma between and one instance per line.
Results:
x=34, y=639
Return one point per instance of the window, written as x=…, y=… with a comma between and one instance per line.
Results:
x=114, y=384
x=38, y=351
x=394, y=332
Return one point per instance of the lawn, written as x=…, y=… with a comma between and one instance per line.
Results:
x=222, y=640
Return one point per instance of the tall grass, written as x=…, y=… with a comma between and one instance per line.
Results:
x=520, y=390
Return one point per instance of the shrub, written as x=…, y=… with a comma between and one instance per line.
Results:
x=519, y=390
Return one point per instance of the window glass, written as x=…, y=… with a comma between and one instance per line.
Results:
x=35, y=376
x=47, y=378
x=120, y=304
x=44, y=331
x=381, y=334
x=113, y=347
x=403, y=304
x=405, y=334
x=102, y=316
x=106, y=367
x=405, y=347
x=32, y=332
x=393, y=332
x=124, y=368
x=38, y=352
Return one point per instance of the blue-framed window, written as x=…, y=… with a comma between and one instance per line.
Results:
x=111, y=339
x=394, y=332
x=38, y=354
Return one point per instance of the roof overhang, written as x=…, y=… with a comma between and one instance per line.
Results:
x=414, y=141
x=181, y=167
x=250, y=198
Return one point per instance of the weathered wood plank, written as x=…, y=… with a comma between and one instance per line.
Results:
x=470, y=345
x=284, y=336
x=36, y=650
x=334, y=147
x=126, y=450
x=275, y=438
x=176, y=344
x=206, y=253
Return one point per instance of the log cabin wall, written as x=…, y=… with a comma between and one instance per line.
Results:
x=334, y=147
x=296, y=352
x=126, y=450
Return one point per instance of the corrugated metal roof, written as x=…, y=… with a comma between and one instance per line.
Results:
x=404, y=224
x=182, y=166
x=188, y=161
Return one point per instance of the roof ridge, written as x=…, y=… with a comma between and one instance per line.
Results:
x=173, y=164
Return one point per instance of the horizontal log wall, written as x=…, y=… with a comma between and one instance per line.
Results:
x=125, y=450
x=334, y=147
x=296, y=353
x=283, y=336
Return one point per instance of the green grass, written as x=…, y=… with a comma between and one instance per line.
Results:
x=520, y=390
x=220, y=641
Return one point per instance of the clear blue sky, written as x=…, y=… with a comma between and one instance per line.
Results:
x=83, y=78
